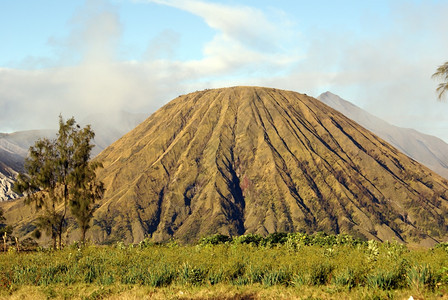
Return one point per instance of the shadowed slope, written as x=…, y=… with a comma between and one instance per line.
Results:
x=259, y=160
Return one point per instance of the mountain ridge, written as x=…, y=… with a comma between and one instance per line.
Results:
x=426, y=149
x=14, y=146
x=214, y=142
x=258, y=160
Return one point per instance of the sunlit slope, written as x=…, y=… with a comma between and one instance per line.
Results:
x=259, y=160
x=426, y=149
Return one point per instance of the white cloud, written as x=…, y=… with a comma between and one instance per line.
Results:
x=388, y=74
x=87, y=76
x=246, y=41
x=33, y=99
x=241, y=24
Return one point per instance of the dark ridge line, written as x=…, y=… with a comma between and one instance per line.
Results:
x=154, y=226
x=373, y=197
x=293, y=190
x=284, y=168
x=183, y=128
x=311, y=182
x=232, y=183
x=231, y=211
x=383, y=165
x=313, y=132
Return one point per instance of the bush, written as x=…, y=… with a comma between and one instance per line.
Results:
x=192, y=275
x=161, y=277
x=389, y=279
x=277, y=238
x=252, y=239
x=321, y=274
x=276, y=277
x=421, y=277
x=214, y=240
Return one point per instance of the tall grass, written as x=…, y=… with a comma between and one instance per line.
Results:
x=288, y=261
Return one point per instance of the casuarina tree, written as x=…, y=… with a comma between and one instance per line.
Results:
x=56, y=170
x=85, y=190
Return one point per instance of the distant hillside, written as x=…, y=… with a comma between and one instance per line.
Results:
x=258, y=160
x=14, y=146
x=13, y=150
x=426, y=149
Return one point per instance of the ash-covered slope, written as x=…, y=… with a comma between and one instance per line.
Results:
x=13, y=150
x=426, y=149
x=259, y=160
x=14, y=147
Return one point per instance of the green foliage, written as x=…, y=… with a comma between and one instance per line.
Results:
x=145, y=243
x=236, y=264
x=442, y=73
x=193, y=275
x=348, y=278
x=4, y=229
x=214, y=240
x=390, y=277
x=59, y=176
x=372, y=251
x=276, y=238
x=252, y=239
x=85, y=190
x=292, y=240
x=276, y=277
x=421, y=277
x=320, y=274
x=443, y=246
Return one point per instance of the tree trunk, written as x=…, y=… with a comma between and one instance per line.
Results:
x=61, y=223
x=83, y=235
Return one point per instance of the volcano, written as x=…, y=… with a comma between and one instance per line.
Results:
x=257, y=160
x=260, y=160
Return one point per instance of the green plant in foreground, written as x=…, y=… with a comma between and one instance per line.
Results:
x=347, y=270
x=321, y=274
x=421, y=277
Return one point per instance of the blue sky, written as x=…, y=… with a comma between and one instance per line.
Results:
x=83, y=57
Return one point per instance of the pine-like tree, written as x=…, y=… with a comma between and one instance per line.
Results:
x=56, y=171
x=40, y=186
x=85, y=189
x=3, y=227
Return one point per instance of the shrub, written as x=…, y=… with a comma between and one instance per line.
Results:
x=346, y=278
x=275, y=277
x=192, y=275
x=389, y=279
x=252, y=239
x=214, y=240
x=256, y=274
x=421, y=277
x=276, y=238
x=321, y=274
x=161, y=277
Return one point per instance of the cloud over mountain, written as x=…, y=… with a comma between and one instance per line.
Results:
x=90, y=71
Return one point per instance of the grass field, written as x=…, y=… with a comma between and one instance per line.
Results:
x=280, y=266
